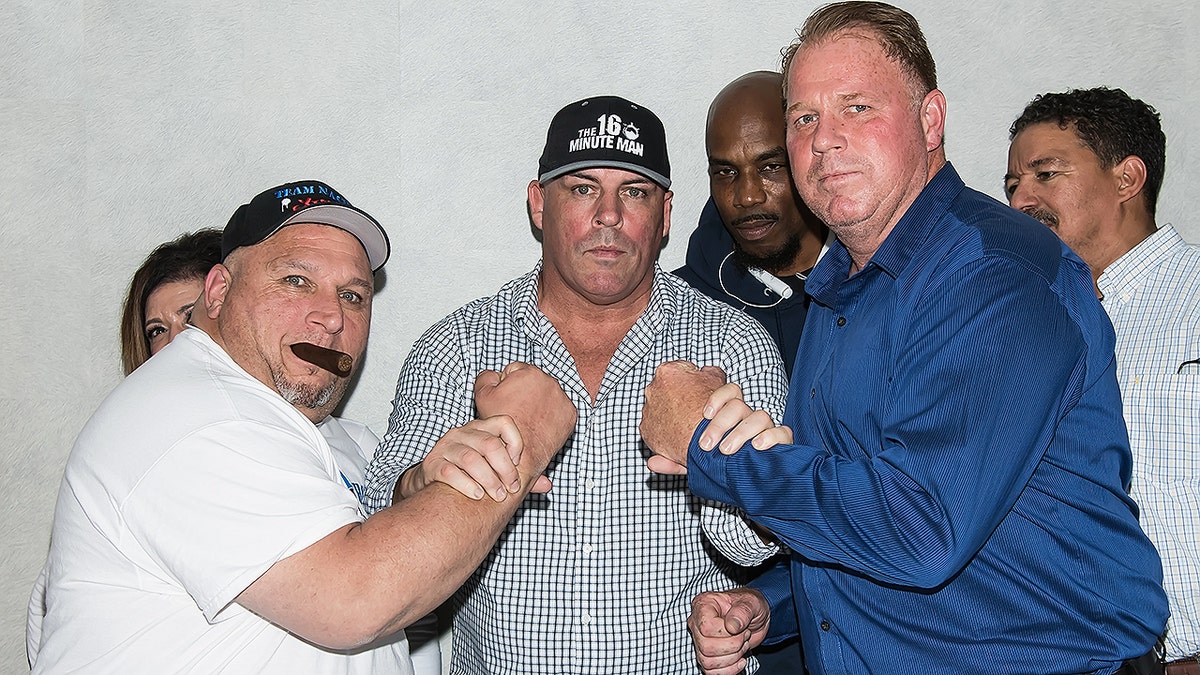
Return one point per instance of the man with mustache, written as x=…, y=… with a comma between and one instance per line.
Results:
x=597, y=575
x=756, y=241
x=1089, y=164
x=954, y=498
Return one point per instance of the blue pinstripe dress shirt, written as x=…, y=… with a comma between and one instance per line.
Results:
x=956, y=498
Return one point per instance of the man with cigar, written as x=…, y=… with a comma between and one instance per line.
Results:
x=597, y=575
x=1089, y=164
x=954, y=498
x=756, y=241
x=202, y=525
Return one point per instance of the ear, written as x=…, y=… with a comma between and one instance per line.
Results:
x=933, y=119
x=1131, y=177
x=537, y=202
x=667, y=212
x=216, y=287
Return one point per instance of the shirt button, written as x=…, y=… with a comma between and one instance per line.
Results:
x=587, y=548
x=590, y=484
x=812, y=394
x=841, y=321
x=585, y=619
x=825, y=626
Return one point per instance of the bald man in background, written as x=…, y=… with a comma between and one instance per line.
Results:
x=756, y=241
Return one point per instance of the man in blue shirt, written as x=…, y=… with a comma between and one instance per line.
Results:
x=955, y=496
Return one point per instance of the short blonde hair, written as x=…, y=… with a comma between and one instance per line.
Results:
x=897, y=31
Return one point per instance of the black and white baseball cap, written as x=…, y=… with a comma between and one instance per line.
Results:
x=606, y=131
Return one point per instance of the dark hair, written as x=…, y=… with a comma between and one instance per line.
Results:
x=1111, y=123
x=190, y=256
x=898, y=32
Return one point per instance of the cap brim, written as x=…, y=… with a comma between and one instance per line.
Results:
x=364, y=228
x=607, y=164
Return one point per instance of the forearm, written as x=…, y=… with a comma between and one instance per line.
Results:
x=433, y=395
x=369, y=580
x=812, y=494
x=417, y=553
x=907, y=494
x=409, y=438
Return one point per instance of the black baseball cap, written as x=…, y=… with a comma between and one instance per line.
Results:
x=606, y=131
x=306, y=201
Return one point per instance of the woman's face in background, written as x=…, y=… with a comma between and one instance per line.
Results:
x=168, y=310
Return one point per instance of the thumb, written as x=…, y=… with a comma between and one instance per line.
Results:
x=542, y=485
x=486, y=379
x=735, y=622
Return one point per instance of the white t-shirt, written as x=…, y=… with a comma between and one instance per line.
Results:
x=187, y=484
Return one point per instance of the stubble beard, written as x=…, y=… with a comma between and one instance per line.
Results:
x=775, y=261
x=303, y=395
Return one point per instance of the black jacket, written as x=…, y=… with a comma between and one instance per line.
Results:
x=708, y=255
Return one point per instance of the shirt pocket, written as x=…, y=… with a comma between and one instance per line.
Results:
x=1162, y=411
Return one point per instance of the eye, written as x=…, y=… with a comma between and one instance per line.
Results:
x=187, y=313
x=1045, y=175
x=774, y=167
x=295, y=280
x=721, y=172
x=583, y=189
x=804, y=120
x=1010, y=187
x=859, y=108
x=351, y=297
x=155, y=332
x=636, y=192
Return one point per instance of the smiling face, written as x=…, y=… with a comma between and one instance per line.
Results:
x=305, y=283
x=862, y=140
x=602, y=230
x=749, y=178
x=1058, y=180
x=168, y=310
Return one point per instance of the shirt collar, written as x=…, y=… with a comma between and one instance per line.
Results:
x=1125, y=276
x=659, y=310
x=905, y=240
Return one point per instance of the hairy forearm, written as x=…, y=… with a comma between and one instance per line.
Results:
x=369, y=580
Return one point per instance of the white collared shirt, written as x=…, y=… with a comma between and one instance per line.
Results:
x=1152, y=296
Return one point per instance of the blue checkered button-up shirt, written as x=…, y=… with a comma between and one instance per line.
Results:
x=597, y=576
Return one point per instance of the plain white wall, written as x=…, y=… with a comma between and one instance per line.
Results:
x=125, y=124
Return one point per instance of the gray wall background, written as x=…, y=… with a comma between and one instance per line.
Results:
x=125, y=124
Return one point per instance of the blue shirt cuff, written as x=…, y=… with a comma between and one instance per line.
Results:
x=706, y=470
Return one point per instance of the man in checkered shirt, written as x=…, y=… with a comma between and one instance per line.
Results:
x=598, y=574
x=1089, y=163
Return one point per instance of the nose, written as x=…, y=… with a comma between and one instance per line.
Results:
x=748, y=190
x=326, y=311
x=175, y=328
x=827, y=136
x=609, y=209
x=1022, y=197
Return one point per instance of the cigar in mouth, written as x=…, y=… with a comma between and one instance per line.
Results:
x=338, y=363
